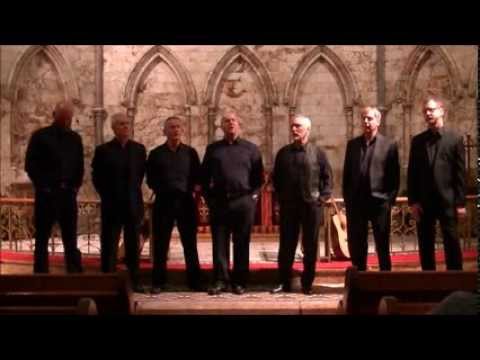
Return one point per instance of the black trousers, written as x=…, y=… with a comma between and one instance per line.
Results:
x=114, y=219
x=293, y=215
x=426, y=237
x=233, y=218
x=168, y=209
x=51, y=206
x=377, y=211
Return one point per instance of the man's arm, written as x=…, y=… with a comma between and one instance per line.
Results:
x=347, y=173
x=206, y=172
x=326, y=177
x=256, y=175
x=97, y=171
x=32, y=158
x=80, y=165
x=459, y=173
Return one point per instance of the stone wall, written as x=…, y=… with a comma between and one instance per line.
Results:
x=265, y=84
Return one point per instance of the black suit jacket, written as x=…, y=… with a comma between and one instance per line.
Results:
x=384, y=170
x=106, y=176
x=443, y=178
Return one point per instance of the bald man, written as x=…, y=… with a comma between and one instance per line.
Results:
x=371, y=177
x=118, y=168
x=302, y=178
x=54, y=163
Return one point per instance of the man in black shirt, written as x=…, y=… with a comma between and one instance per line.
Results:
x=173, y=171
x=302, y=178
x=54, y=163
x=118, y=168
x=371, y=177
x=436, y=186
x=232, y=174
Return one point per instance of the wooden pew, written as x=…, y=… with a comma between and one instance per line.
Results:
x=85, y=306
x=364, y=289
x=111, y=293
x=390, y=305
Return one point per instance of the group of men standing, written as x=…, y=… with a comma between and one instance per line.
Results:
x=230, y=178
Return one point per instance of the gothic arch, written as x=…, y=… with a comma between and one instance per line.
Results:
x=270, y=96
x=213, y=90
x=63, y=68
x=415, y=62
x=146, y=64
x=344, y=78
x=337, y=68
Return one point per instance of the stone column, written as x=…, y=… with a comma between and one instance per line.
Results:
x=131, y=111
x=99, y=113
x=380, y=67
x=212, y=113
x=291, y=113
x=349, y=118
x=406, y=125
x=268, y=117
x=188, y=119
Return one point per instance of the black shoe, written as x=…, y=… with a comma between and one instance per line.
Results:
x=281, y=288
x=157, y=289
x=217, y=288
x=307, y=290
x=139, y=289
x=238, y=289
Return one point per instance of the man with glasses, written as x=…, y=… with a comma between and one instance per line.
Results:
x=371, y=178
x=436, y=186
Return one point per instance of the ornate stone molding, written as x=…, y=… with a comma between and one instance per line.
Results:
x=343, y=76
x=213, y=88
x=146, y=64
x=415, y=62
x=270, y=94
x=63, y=68
x=345, y=80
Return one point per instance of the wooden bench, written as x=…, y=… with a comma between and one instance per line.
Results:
x=364, y=289
x=390, y=305
x=111, y=293
x=85, y=306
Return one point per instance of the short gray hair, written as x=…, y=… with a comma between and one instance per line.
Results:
x=376, y=113
x=305, y=120
x=117, y=117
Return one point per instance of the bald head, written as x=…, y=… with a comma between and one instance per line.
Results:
x=63, y=113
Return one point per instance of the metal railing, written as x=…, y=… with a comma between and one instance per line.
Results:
x=17, y=229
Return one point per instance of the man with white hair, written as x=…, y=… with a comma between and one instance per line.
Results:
x=371, y=178
x=54, y=163
x=118, y=168
x=302, y=178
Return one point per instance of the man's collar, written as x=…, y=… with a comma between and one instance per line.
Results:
x=235, y=141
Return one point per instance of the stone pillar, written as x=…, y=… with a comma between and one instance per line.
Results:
x=99, y=113
x=131, y=111
x=268, y=117
x=407, y=121
x=349, y=118
x=380, y=67
x=188, y=119
x=291, y=113
x=212, y=113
